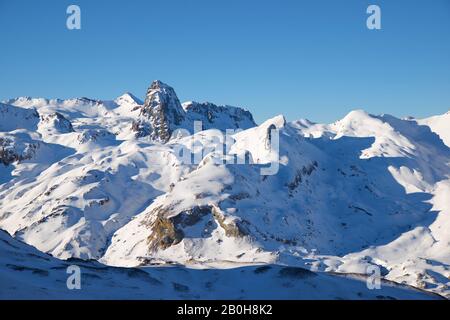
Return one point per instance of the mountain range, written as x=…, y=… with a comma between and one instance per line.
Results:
x=103, y=183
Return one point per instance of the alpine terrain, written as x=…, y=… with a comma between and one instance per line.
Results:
x=163, y=199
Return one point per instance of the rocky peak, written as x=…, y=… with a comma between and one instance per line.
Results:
x=162, y=110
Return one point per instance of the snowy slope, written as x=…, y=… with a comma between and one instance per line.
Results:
x=12, y=118
x=104, y=180
x=439, y=125
x=26, y=273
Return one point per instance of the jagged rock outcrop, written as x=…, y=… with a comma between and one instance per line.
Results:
x=15, y=151
x=169, y=231
x=161, y=113
x=141, y=128
x=218, y=117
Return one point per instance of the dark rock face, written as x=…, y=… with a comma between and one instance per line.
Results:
x=12, y=151
x=219, y=117
x=169, y=231
x=141, y=128
x=161, y=111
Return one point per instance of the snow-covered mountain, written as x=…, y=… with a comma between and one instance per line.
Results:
x=131, y=183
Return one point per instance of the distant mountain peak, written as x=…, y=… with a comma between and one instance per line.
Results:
x=162, y=110
x=158, y=84
x=128, y=97
x=357, y=114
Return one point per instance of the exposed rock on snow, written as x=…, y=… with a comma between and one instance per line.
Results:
x=13, y=149
x=162, y=110
x=94, y=135
x=218, y=117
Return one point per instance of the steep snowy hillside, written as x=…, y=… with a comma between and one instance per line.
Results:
x=132, y=183
x=13, y=118
x=26, y=273
x=440, y=125
x=418, y=161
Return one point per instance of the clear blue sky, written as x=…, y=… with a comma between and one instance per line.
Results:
x=306, y=59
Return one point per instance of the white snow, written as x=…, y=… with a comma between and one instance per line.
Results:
x=439, y=125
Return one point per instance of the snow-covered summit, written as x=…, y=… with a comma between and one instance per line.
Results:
x=128, y=98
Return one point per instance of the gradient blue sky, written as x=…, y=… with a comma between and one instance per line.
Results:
x=305, y=59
